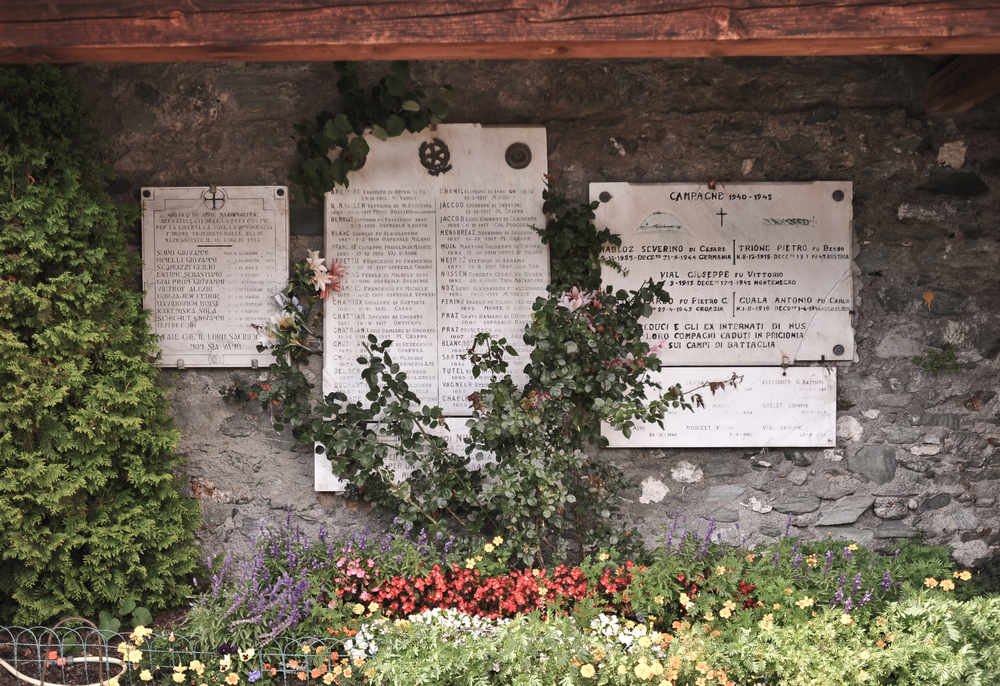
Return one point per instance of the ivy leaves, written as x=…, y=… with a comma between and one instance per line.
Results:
x=333, y=145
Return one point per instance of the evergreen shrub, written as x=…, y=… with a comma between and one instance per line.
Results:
x=90, y=513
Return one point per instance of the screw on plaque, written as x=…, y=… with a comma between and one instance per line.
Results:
x=214, y=195
x=604, y=196
x=838, y=195
x=518, y=155
x=838, y=349
x=435, y=156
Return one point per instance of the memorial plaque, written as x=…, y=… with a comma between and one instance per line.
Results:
x=212, y=260
x=770, y=407
x=325, y=480
x=436, y=235
x=758, y=273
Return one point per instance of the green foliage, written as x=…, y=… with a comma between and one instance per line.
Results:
x=941, y=360
x=575, y=244
x=333, y=145
x=90, y=514
x=128, y=610
x=545, y=490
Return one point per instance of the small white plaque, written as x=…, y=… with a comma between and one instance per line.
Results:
x=212, y=260
x=770, y=407
x=436, y=235
x=758, y=273
x=325, y=480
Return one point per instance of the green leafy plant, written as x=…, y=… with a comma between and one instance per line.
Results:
x=90, y=512
x=128, y=610
x=333, y=145
x=546, y=489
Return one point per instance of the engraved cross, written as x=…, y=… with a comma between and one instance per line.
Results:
x=722, y=216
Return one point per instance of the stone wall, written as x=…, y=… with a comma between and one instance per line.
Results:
x=917, y=432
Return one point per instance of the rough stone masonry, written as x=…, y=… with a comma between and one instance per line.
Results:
x=918, y=413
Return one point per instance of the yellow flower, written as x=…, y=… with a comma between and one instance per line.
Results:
x=542, y=591
x=489, y=547
x=358, y=609
x=622, y=670
x=232, y=678
x=846, y=619
x=498, y=540
x=776, y=606
x=852, y=547
x=348, y=672
x=178, y=677
x=805, y=602
x=725, y=613
x=197, y=666
x=751, y=557
x=947, y=585
x=587, y=671
x=306, y=648
x=788, y=591
x=812, y=560
x=140, y=633
x=720, y=569
x=470, y=563
x=930, y=582
x=643, y=670
x=145, y=675
x=603, y=557
x=644, y=642
x=113, y=681
x=372, y=608
x=964, y=575
x=683, y=599
x=709, y=616
x=767, y=621
x=225, y=662
x=328, y=678
x=659, y=600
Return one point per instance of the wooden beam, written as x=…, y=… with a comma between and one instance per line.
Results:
x=261, y=30
x=962, y=83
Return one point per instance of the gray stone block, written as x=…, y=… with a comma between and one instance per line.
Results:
x=844, y=511
x=877, y=462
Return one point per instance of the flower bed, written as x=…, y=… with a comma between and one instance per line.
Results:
x=408, y=610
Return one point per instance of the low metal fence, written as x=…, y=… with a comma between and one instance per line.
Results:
x=80, y=654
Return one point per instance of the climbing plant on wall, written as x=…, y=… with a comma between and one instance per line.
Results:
x=90, y=513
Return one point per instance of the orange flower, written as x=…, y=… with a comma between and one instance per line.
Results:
x=301, y=676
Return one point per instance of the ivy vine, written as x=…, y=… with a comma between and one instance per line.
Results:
x=333, y=145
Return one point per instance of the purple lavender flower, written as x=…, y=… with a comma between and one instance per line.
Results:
x=788, y=525
x=828, y=562
x=708, y=537
x=253, y=676
x=847, y=554
x=848, y=604
x=865, y=599
x=796, y=560
x=857, y=582
x=670, y=534
x=886, y=580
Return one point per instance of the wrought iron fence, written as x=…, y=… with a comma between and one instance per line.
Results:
x=79, y=654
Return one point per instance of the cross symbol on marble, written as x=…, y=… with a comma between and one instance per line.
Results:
x=722, y=216
x=215, y=196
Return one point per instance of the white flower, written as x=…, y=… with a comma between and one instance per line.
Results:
x=314, y=261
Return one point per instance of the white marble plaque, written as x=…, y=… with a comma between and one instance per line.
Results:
x=770, y=407
x=212, y=260
x=758, y=273
x=325, y=480
x=435, y=234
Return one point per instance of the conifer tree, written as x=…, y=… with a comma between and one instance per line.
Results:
x=90, y=512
